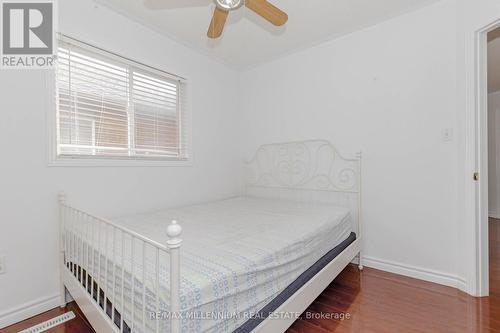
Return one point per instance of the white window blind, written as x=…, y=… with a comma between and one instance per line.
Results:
x=111, y=107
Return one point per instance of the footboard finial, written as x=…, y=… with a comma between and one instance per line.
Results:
x=174, y=230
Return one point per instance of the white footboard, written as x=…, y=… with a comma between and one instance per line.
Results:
x=90, y=244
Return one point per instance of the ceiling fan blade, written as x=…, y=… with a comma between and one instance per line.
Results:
x=268, y=11
x=217, y=24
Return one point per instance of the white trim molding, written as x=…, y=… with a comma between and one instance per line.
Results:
x=28, y=310
x=416, y=272
x=475, y=91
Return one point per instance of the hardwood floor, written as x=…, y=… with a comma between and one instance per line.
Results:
x=375, y=301
x=382, y=302
x=76, y=325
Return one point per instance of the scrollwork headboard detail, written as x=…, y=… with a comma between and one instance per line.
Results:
x=307, y=171
x=305, y=165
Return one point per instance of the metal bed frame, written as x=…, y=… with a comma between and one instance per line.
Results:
x=309, y=171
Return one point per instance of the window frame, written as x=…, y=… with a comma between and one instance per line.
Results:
x=54, y=159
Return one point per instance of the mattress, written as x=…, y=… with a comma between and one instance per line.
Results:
x=237, y=256
x=289, y=291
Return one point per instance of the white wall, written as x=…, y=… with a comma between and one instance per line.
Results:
x=28, y=187
x=493, y=156
x=388, y=90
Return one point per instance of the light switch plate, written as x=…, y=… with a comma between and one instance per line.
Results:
x=447, y=135
x=3, y=269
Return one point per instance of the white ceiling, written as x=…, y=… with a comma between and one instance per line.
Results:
x=494, y=61
x=248, y=39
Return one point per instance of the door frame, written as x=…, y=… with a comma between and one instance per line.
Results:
x=480, y=152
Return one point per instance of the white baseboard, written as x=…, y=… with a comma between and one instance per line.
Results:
x=494, y=215
x=28, y=310
x=416, y=272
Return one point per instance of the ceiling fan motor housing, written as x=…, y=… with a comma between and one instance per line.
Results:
x=229, y=4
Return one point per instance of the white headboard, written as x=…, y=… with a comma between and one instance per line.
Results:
x=311, y=171
x=308, y=165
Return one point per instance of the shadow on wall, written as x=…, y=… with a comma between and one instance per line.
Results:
x=494, y=61
x=494, y=35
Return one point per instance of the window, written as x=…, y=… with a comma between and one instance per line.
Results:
x=109, y=107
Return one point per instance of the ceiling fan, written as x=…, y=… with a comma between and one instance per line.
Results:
x=262, y=7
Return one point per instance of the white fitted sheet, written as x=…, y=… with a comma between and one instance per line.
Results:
x=236, y=256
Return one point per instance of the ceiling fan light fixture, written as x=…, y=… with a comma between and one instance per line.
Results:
x=229, y=4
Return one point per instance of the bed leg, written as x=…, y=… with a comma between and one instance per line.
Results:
x=174, y=230
x=62, y=300
x=62, y=297
x=360, y=263
x=62, y=290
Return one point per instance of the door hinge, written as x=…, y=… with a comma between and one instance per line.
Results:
x=476, y=176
